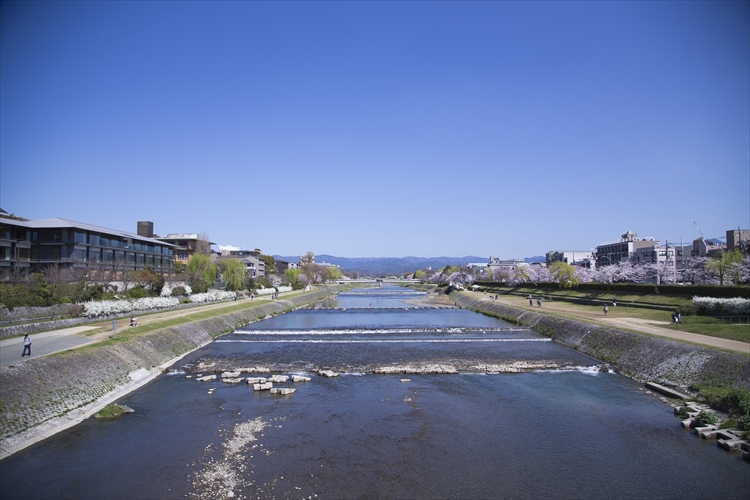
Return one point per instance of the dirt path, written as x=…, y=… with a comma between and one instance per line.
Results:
x=618, y=320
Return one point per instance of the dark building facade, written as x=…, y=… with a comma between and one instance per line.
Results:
x=33, y=245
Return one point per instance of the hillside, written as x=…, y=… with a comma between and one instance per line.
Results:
x=389, y=265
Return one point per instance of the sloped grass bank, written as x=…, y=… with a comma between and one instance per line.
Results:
x=43, y=395
x=646, y=359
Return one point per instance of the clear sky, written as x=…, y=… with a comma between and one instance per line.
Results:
x=374, y=129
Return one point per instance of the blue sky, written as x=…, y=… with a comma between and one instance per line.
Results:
x=365, y=129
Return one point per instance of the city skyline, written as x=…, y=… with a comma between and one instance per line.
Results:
x=380, y=129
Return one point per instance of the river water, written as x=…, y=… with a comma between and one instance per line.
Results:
x=567, y=432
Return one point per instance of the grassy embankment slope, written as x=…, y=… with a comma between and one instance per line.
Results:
x=640, y=306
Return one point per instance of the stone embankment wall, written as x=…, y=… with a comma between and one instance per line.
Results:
x=641, y=357
x=49, y=393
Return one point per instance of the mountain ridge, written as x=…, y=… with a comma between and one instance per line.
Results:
x=393, y=265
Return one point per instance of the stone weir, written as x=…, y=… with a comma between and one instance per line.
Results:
x=41, y=396
x=640, y=357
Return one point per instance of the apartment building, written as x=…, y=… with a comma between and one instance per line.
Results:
x=622, y=250
x=32, y=245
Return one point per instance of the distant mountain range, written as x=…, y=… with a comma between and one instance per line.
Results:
x=395, y=265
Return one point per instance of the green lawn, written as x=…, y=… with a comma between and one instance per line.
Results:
x=694, y=324
x=713, y=327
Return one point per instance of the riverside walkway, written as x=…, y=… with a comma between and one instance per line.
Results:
x=647, y=326
x=50, y=342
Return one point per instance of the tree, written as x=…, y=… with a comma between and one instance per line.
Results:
x=203, y=245
x=694, y=270
x=564, y=274
x=270, y=264
x=419, y=275
x=149, y=280
x=661, y=272
x=201, y=272
x=307, y=258
x=519, y=275
x=721, y=266
x=234, y=273
x=332, y=273
x=292, y=274
x=501, y=274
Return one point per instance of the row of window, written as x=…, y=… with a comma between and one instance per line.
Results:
x=97, y=256
x=113, y=242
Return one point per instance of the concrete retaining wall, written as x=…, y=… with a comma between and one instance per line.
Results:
x=52, y=392
x=641, y=357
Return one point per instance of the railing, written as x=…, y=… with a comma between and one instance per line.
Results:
x=740, y=320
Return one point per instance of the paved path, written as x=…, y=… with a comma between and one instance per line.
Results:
x=45, y=343
x=635, y=324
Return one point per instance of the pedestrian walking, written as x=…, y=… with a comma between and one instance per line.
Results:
x=539, y=302
x=531, y=301
x=606, y=310
x=26, y=345
x=614, y=301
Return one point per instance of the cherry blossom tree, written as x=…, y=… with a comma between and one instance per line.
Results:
x=694, y=270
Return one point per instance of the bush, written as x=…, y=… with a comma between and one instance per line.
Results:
x=729, y=423
x=137, y=292
x=706, y=418
x=736, y=305
x=688, y=310
x=178, y=290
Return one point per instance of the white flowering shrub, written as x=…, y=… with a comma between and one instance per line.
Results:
x=106, y=307
x=284, y=289
x=265, y=291
x=166, y=290
x=736, y=305
x=201, y=298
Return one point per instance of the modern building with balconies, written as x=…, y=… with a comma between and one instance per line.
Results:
x=32, y=245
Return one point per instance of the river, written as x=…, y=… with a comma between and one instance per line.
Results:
x=562, y=430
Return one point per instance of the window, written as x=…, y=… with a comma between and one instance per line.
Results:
x=95, y=255
x=79, y=254
x=79, y=237
x=94, y=239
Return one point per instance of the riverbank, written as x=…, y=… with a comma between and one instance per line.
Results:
x=640, y=357
x=42, y=396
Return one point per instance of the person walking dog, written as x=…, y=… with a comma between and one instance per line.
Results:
x=26, y=345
